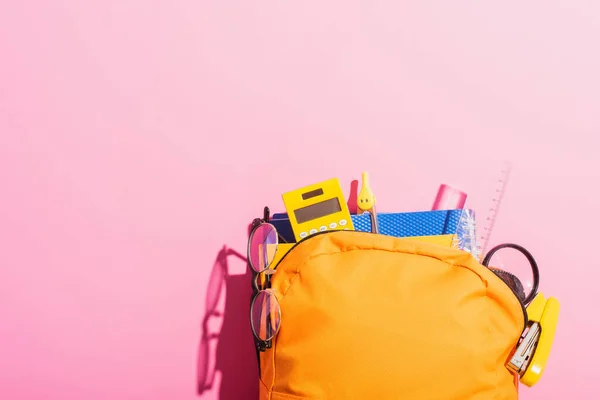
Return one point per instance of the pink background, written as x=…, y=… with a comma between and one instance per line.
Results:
x=138, y=138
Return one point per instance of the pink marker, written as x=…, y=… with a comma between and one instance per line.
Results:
x=449, y=198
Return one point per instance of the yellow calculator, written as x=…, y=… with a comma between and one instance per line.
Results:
x=317, y=208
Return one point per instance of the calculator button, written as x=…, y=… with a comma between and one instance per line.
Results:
x=323, y=228
x=313, y=231
x=333, y=225
x=303, y=235
x=343, y=222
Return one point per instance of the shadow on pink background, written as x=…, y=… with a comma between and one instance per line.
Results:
x=227, y=361
x=139, y=138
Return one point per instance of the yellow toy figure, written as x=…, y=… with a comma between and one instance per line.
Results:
x=366, y=202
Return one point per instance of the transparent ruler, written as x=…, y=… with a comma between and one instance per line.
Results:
x=486, y=231
x=475, y=239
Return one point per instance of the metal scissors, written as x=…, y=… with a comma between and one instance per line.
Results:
x=366, y=202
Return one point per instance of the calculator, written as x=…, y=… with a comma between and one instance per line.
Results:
x=317, y=208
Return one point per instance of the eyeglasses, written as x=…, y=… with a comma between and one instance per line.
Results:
x=265, y=313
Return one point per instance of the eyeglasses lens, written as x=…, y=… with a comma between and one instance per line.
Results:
x=265, y=315
x=262, y=247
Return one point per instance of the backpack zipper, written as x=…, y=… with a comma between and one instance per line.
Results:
x=302, y=241
x=525, y=316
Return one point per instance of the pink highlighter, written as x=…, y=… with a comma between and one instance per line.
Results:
x=449, y=198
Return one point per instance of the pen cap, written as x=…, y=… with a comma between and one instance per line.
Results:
x=449, y=198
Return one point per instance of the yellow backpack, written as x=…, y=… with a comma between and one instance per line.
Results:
x=367, y=316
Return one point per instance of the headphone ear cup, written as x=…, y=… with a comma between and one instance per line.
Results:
x=513, y=282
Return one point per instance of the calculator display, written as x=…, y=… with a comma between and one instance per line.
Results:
x=317, y=210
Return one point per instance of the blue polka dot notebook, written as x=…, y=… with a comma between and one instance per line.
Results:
x=416, y=223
